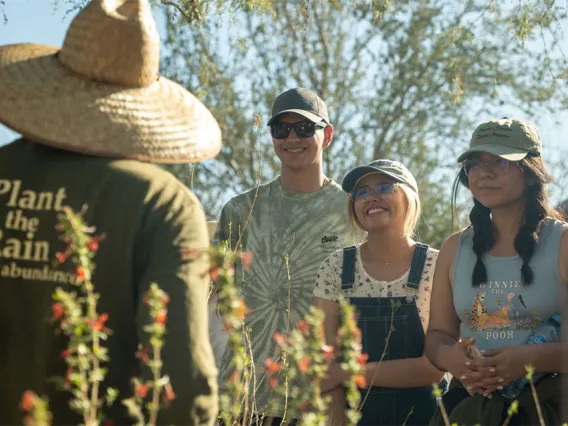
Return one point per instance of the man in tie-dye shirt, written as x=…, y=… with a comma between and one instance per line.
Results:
x=299, y=216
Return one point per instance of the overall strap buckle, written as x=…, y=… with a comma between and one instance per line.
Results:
x=417, y=265
x=348, y=267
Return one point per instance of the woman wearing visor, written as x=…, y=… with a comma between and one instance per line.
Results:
x=388, y=280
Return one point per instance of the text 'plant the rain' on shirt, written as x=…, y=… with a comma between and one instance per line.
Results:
x=24, y=209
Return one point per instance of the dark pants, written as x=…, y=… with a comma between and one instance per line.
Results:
x=393, y=406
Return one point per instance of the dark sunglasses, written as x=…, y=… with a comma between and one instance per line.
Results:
x=382, y=189
x=303, y=129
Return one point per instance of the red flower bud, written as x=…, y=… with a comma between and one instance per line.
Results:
x=162, y=317
x=304, y=365
x=28, y=400
x=142, y=355
x=303, y=326
x=58, y=311
x=80, y=273
x=99, y=323
x=61, y=257
x=214, y=273
x=271, y=366
x=169, y=392
x=363, y=359
x=280, y=339
x=93, y=244
x=142, y=389
x=360, y=381
x=327, y=351
x=246, y=258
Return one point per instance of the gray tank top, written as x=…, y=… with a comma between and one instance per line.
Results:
x=502, y=312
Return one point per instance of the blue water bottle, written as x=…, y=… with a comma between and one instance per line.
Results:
x=547, y=333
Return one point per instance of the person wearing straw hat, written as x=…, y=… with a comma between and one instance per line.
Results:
x=92, y=116
x=290, y=225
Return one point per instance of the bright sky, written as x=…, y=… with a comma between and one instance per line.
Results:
x=37, y=21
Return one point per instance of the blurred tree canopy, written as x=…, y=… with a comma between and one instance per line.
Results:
x=408, y=80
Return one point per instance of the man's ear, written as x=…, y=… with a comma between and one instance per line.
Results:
x=328, y=136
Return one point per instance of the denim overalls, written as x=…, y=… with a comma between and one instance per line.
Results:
x=391, y=406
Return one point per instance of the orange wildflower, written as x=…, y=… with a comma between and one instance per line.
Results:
x=61, y=257
x=58, y=311
x=271, y=366
x=169, y=392
x=93, y=244
x=360, y=381
x=162, y=317
x=165, y=299
x=246, y=258
x=80, y=273
x=257, y=120
x=99, y=323
x=272, y=381
x=28, y=400
x=363, y=359
x=233, y=377
x=327, y=351
x=142, y=389
x=303, y=326
x=357, y=333
x=142, y=354
x=214, y=273
x=304, y=365
x=240, y=308
x=227, y=325
x=280, y=339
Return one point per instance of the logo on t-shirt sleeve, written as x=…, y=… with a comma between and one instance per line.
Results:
x=330, y=242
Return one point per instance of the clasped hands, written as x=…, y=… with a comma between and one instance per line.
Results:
x=485, y=375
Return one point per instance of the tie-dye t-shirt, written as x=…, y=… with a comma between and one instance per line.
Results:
x=503, y=311
x=304, y=228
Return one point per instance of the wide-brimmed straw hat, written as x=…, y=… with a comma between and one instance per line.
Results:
x=102, y=94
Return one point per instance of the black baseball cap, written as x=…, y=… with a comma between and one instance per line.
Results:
x=301, y=101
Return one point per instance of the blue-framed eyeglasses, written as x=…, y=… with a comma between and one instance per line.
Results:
x=382, y=189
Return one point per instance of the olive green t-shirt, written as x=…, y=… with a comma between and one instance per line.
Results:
x=149, y=219
x=304, y=228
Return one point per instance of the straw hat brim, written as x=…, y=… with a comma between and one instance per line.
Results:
x=46, y=102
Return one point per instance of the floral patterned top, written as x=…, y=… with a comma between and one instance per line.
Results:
x=328, y=283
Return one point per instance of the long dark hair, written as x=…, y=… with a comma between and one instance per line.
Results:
x=537, y=208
